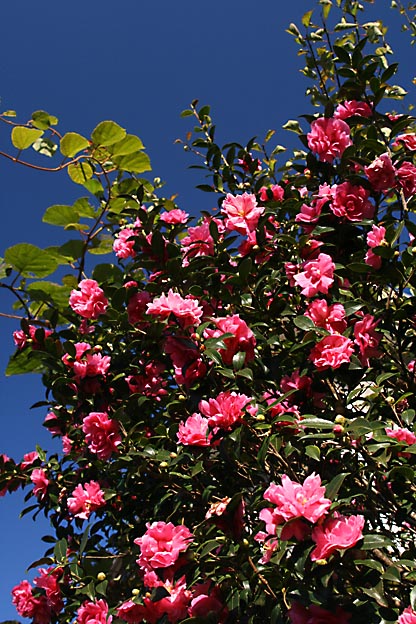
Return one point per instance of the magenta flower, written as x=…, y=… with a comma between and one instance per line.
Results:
x=406, y=176
x=89, y=301
x=87, y=362
x=329, y=138
x=351, y=202
x=162, y=544
x=317, y=276
x=351, y=108
x=277, y=192
x=332, y=351
x=136, y=307
x=30, y=606
x=242, y=212
x=294, y=500
x=199, y=242
x=367, y=338
x=336, y=533
x=101, y=434
x=187, y=311
x=174, y=216
x=298, y=614
x=242, y=339
x=48, y=580
x=401, y=434
x=85, y=499
x=41, y=482
x=409, y=141
x=225, y=410
x=94, y=613
x=381, y=173
x=124, y=242
x=330, y=317
x=194, y=431
x=407, y=617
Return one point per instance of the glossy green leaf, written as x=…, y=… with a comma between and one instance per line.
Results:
x=80, y=172
x=72, y=143
x=26, y=361
x=137, y=162
x=60, y=215
x=42, y=120
x=107, y=133
x=23, y=137
x=30, y=260
x=128, y=145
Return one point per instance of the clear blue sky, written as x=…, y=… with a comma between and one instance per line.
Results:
x=140, y=63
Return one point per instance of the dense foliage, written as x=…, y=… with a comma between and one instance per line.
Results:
x=235, y=395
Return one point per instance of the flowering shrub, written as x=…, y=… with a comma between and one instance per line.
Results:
x=235, y=394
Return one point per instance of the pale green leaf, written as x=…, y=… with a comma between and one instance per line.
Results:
x=30, y=260
x=128, y=145
x=107, y=133
x=80, y=172
x=60, y=215
x=23, y=137
x=72, y=143
x=136, y=163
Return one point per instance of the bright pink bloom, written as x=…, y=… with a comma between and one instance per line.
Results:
x=401, y=434
x=330, y=317
x=336, y=533
x=351, y=201
x=89, y=301
x=367, y=338
x=375, y=238
x=28, y=459
x=87, y=362
x=207, y=599
x=406, y=176
x=124, y=242
x=407, y=617
x=317, y=276
x=41, y=481
x=30, y=606
x=242, y=212
x=136, y=307
x=186, y=359
x=329, y=138
x=94, y=613
x=298, y=614
x=174, y=216
x=242, y=339
x=351, y=108
x=162, y=544
x=308, y=214
x=294, y=500
x=48, y=580
x=332, y=351
x=225, y=410
x=101, y=434
x=199, y=242
x=21, y=338
x=381, y=173
x=277, y=192
x=187, y=311
x=409, y=141
x=133, y=613
x=85, y=499
x=194, y=431
x=295, y=381
x=151, y=383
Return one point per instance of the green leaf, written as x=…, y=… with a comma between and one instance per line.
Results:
x=107, y=133
x=60, y=549
x=332, y=489
x=72, y=249
x=23, y=137
x=138, y=162
x=23, y=362
x=128, y=145
x=60, y=215
x=103, y=246
x=317, y=423
x=50, y=292
x=306, y=19
x=30, y=260
x=375, y=541
x=304, y=322
x=313, y=452
x=42, y=120
x=80, y=172
x=72, y=143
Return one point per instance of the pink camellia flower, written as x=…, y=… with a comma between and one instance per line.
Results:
x=329, y=138
x=41, y=482
x=330, y=317
x=336, y=533
x=242, y=339
x=94, y=613
x=277, y=193
x=101, y=434
x=298, y=614
x=151, y=382
x=85, y=499
x=375, y=238
x=30, y=606
x=28, y=459
x=187, y=311
x=401, y=434
x=194, y=431
x=406, y=177
x=174, y=216
x=332, y=351
x=124, y=242
x=21, y=338
x=186, y=359
x=225, y=410
x=351, y=108
x=294, y=500
x=132, y=613
x=162, y=544
x=409, y=141
x=136, y=307
x=89, y=301
x=351, y=202
x=206, y=600
x=367, y=338
x=87, y=362
x=407, y=617
x=242, y=212
x=48, y=580
x=317, y=276
x=381, y=173
x=199, y=242
x=296, y=381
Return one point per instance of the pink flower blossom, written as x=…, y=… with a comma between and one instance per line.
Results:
x=317, y=276
x=409, y=141
x=199, y=242
x=329, y=138
x=367, y=338
x=296, y=381
x=41, y=481
x=408, y=616
x=381, y=173
x=206, y=600
x=35, y=337
x=375, y=238
x=277, y=193
x=94, y=613
x=330, y=317
x=187, y=311
x=194, y=431
x=30, y=606
x=401, y=434
x=85, y=499
x=151, y=382
x=28, y=459
x=242, y=339
x=161, y=544
x=225, y=410
x=174, y=216
x=124, y=242
x=336, y=533
x=351, y=201
x=332, y=351
x=294, y=500
x=298, y=614
x=351, y=108
x=136, y=307
x=101, y=434
x=242, y=212
x=186, y=359
x=87, y=362
x=89, y=301
x=48, y=580
x=406, y=177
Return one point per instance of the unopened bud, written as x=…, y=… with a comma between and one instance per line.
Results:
x=163, y=464
x=101, y=576
x=340, y=420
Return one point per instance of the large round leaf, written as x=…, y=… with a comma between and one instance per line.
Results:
x=30, y=261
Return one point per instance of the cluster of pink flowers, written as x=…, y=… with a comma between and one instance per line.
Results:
x=88, y=361
x=89, y=300
x=101, y=434
x=187, y=310
x=85, y=499
x=21, y=338
x=329, y=138
x=242, y=338
x=40, y=607
x=241, y=213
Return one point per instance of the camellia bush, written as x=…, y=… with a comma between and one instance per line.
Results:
x=235, y=394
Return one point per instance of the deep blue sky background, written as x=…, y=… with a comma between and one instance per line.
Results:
x=140, y=63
